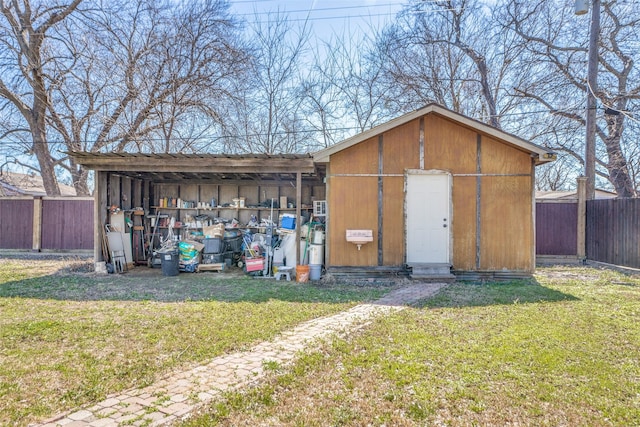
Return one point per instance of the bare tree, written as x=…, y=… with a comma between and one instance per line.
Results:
x=269, y=118
x=451, y=53
x=142, y=76
x=555, y=68
x=24, y=32
x=343, y=93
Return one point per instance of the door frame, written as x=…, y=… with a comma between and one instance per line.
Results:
x=409, y=172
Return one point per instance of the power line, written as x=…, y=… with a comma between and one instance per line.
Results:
x=283, y=133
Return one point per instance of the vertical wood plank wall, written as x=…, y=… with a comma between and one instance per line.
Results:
x=67, y=224
x=556, y=228
x=498, y=173
x=612, y=231
x=16, y=227
x=63, y=223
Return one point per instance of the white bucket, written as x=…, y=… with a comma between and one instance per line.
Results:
x=318, y=237
x=315, y=254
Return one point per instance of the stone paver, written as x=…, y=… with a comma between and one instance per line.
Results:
x=177, y=395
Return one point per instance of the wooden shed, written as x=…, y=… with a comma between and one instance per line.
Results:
x=440, y=194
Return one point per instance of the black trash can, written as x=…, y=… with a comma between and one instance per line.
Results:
x=170, y=263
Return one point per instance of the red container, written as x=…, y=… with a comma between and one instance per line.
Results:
x=254, y=264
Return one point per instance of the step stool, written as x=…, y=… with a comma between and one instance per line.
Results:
x=284, y=271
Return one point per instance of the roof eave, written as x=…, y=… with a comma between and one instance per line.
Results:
x=540, y=154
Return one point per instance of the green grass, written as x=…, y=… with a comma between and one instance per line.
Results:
x=561, y=350
x=68, y=339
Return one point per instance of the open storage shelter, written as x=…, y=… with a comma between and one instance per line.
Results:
x=190, y=184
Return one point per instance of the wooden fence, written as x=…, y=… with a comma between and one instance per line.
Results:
x=556, y=228
x=46, y=223
x=613, y=231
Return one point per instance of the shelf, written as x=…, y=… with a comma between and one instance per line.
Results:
x=232, y=208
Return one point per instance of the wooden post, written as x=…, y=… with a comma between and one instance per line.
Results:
x=298, y=212
x=99, y=219
x=37, y=224
x=581, y=249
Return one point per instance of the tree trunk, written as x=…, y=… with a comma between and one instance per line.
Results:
x=46, y=162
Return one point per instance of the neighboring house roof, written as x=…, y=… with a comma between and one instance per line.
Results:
x=20, y=184
x=572, y=195
x=542, y=155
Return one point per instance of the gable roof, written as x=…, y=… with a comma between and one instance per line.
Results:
x=572, y=195
x=20, y=184
x=541, y=154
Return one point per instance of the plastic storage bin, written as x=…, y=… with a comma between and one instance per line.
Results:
x=214, y=245
x=289, y=222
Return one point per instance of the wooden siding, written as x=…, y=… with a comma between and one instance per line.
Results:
x=16, y=226
x=464, y=223
x=448, y=146
x=354, y=202
x=498, y=158
x=492, y=222
x=359, y=159
x=67, y=224
x=401, y=149
x=613, y=227
x=393, y=241
x=556, y=228
x=506, y=235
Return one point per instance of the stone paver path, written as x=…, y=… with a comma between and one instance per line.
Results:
x=177, y=395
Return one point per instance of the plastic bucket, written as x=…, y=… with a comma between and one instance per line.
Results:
x=302, y=273
x=315, y=270
x=170, y=263
x=318, y=237
x=315, y=254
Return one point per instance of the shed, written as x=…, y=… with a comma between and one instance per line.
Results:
x=200, y=183
x=441, y=194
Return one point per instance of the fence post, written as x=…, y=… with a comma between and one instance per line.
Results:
x=37, y=224
x=581, y=249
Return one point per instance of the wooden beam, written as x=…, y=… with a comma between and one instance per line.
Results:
x=581, y=244
x=478, y=199
x=203, y=165
x=37, y=224
x=380, y=197
x=99, y=215
x=298, y=212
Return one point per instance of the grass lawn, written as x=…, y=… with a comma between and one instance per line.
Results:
x=563, y=349
x=69, y=338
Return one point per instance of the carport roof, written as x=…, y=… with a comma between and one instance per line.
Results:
x=175, y=167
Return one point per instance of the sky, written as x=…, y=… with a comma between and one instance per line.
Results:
x=327, y=17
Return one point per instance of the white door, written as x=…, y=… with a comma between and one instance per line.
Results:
x=428, y=203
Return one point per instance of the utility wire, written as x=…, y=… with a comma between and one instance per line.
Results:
x=288, y=133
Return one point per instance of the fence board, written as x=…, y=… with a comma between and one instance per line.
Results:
x=556, y=228
x=613, y=231
x=67, y=224
x=16, y=223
